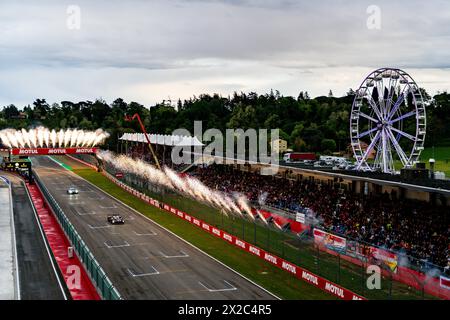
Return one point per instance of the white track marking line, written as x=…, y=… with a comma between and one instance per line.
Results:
x=96, y=198
x=182, y=255
x=134, y=275
x=99, y=227
x=86, y=214
x=153, y=233
x=113, y=207
x=231, y=287
x=126, y=244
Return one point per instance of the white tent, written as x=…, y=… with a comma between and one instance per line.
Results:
x=165, y=140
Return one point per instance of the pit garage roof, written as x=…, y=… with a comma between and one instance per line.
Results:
x=162, y=139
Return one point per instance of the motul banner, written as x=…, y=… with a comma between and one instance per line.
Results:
x=50, y=151
x=329, y=240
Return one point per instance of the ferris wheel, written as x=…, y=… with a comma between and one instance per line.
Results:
x=387, y=122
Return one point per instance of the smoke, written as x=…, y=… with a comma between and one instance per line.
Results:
x=42, y=137
x=187, y=185
x=262, y=198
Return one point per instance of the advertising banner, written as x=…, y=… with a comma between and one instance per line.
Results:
x=300, y=217
x=329, y=240
x=444, y=282
x=388, y=258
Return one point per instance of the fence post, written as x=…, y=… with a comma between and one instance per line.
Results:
x=339, y=268
x=390, y=285
x=318, y=258
x=363, y=284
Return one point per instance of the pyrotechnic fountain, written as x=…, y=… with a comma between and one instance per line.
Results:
x=170, y=179
x=42, y=137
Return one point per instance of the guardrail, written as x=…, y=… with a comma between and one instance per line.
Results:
x=98, y=276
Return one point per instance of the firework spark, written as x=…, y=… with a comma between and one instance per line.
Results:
x=42, y=137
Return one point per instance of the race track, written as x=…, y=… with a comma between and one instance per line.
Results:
x=142, y=260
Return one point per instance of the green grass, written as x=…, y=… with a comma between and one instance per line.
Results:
x=282, y=244
x=273, y=279
x=440, y=154
x=442, y=157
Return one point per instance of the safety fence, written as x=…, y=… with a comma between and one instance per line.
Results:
x=96, y=273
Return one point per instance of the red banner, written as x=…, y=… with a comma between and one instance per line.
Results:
x=119, y=175
x=444, y=282
x=51, y=151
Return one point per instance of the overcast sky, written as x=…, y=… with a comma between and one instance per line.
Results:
x=147, y=51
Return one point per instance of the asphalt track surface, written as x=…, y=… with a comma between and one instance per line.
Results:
x=143, y=260
x=38, y=279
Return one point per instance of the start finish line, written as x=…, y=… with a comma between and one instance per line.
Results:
x=51, y=151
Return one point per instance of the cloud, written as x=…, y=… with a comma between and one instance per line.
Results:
x=149, y=50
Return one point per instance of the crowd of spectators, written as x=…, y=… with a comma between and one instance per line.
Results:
x=416, y=228
x=141, y=151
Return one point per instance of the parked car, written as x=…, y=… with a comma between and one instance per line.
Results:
x=115, y=219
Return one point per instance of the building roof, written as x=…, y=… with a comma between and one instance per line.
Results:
x=162, y=139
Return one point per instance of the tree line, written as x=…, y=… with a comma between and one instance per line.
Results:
x=308, y=124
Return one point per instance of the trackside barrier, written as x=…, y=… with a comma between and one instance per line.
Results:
x=98, y=276
x=300, y=273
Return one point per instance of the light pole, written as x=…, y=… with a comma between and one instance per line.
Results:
x=136, y=115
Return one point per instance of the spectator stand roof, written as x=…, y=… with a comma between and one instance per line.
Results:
x=162, y=139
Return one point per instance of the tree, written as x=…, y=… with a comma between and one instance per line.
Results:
x=313, y=137
x=41, y=108
x=10, y=111
x=328, y=145
x=272, y=122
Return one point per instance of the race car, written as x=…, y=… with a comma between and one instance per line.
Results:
x=72, y=190
x=116, y=219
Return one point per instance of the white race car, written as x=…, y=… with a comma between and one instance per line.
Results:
x=116, y=219
x=72, y=190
